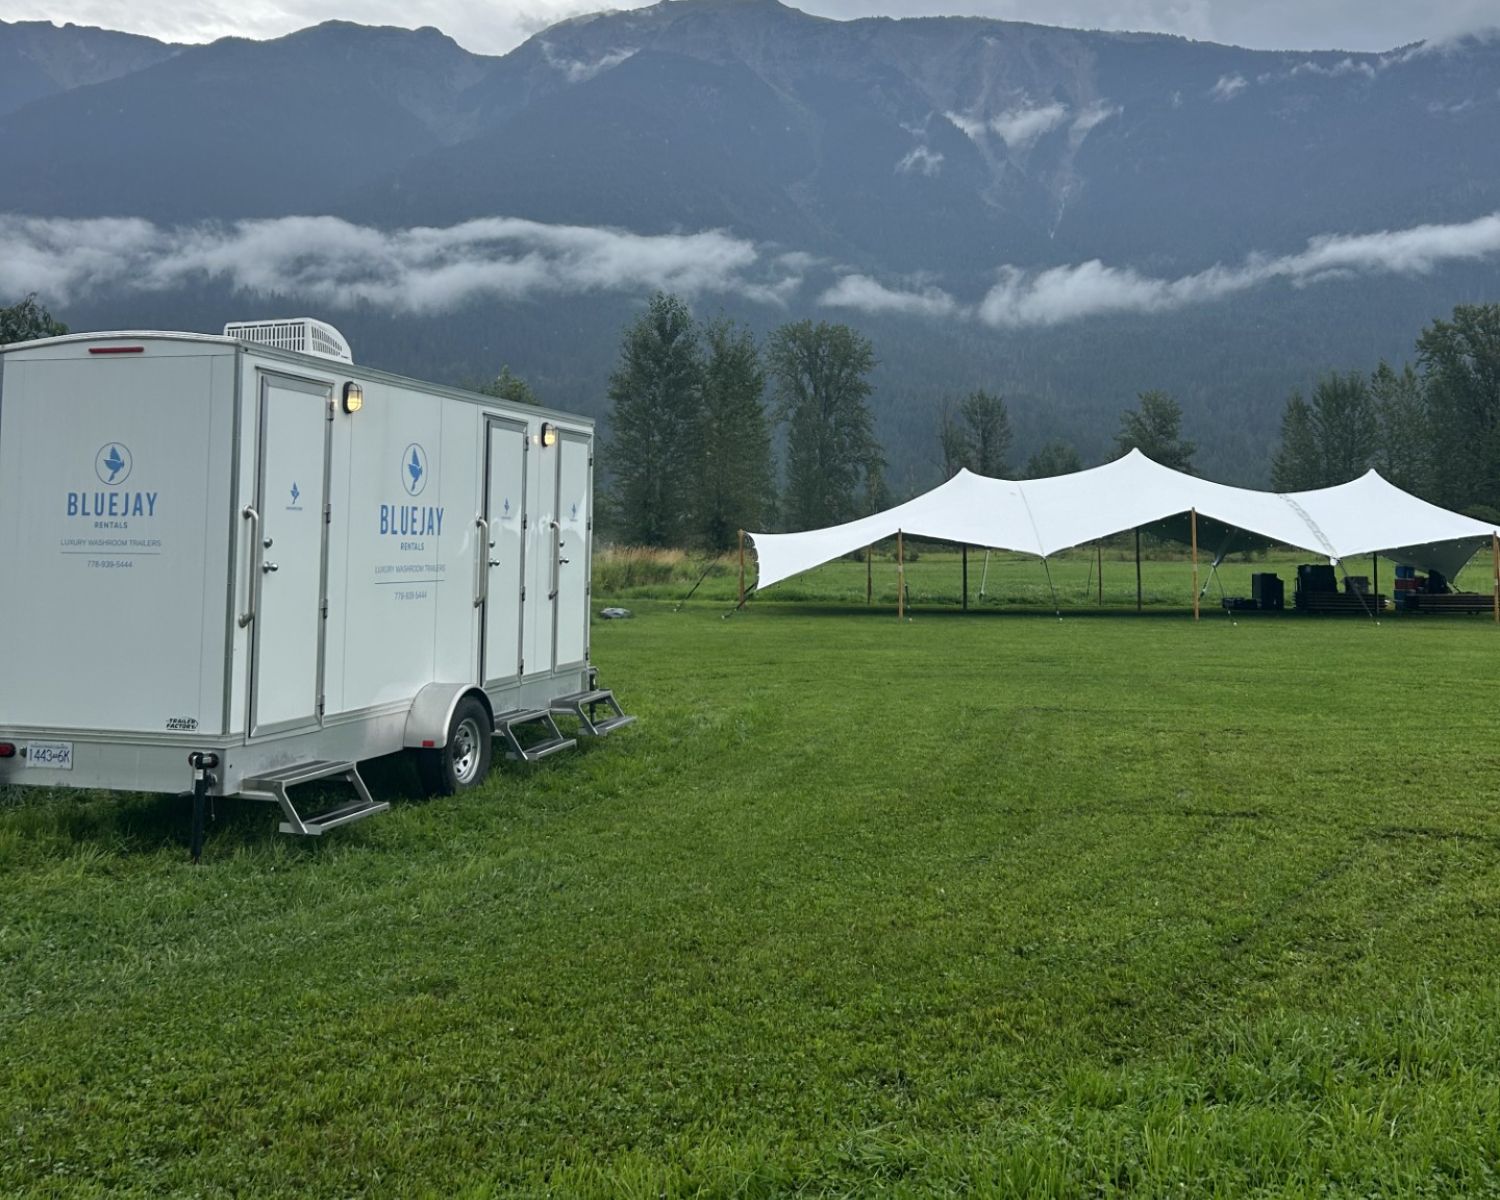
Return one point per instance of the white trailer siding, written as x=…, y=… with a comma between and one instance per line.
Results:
x=114, y=518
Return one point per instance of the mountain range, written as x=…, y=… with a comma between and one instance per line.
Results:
x=1066, y=217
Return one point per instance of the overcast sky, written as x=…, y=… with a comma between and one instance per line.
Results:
x=497, y=26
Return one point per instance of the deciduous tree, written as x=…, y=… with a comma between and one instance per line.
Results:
x=1057, y=457
x=26, y=320
x=509, y=386
x=821, y=374
x=1155, y=429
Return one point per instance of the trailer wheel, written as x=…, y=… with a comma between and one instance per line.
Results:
x=464, y=760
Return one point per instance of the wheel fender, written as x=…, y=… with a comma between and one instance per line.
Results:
x=432, y=710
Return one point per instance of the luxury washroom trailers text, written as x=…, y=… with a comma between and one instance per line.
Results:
x=247, y=550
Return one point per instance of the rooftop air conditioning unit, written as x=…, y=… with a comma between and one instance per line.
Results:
x=302, y=334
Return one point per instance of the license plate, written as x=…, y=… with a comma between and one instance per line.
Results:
x=50, y=756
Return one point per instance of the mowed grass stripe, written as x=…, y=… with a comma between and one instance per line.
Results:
x=1100, y=906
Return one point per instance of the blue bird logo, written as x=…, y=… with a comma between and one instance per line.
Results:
x=112, y=464
x=414, y=469
x=295, y=492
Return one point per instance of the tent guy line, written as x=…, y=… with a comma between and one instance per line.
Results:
x=1366, y=516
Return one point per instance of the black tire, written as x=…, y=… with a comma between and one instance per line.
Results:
x=464, y=759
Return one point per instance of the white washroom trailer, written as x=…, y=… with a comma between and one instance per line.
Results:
x=235, y=564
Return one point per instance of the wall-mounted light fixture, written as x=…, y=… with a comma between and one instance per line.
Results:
x=549, y=434
x=354, y=397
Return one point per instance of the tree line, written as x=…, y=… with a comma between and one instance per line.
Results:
x=690, y=452
x=1432, y=427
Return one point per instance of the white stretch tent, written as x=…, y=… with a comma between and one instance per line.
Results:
x=1043, y=516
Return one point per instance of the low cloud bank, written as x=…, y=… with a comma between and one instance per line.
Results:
x=335, y=264
x=419, y=270
x=1079, y=291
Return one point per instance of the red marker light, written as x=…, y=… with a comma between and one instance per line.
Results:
x=7, y=749
x=117, y=349
x=428, y=744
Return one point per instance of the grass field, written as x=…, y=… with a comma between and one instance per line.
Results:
x=996, y=904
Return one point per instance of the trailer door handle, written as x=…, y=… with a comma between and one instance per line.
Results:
x=557, y=560
x=267, y=568
x=482, y=575
x=256, y=552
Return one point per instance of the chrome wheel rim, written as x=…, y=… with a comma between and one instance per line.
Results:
x=466, y=751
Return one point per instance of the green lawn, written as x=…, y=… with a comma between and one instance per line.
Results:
x=995, y=904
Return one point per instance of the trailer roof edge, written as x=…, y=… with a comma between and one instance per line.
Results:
x=333, y=366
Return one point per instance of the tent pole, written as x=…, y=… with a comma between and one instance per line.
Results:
x=966, y=578
x=1375, y=577
x=742, y=568
x=869, y=573
x=1137, y=568
x=984, y=576
x=1193, y=516
x=1099, y=546
x=1494, y=555
x=900, y=577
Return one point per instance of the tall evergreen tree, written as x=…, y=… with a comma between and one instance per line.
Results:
x=1460, y=362
x=1333, y=439
x=1405, y=437
x=656, y=390
x=26, y=320
x=989, y=434
x=1345, y=424
x=821, y=374
x=953, y=442
x=1155, y=429
x=735, y=466
x=1298, y=464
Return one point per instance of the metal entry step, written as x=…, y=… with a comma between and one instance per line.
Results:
x=507, y=723
x=583, y=704
x=274, y=785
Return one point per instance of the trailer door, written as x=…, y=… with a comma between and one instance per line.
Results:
x=574, y=518
x=541, y=583
x=288, y=565
x=505, y=561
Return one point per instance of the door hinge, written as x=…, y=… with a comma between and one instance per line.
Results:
x=328, y=512
x=591, y=460
x=521, y=667
x=525, y=521
x=324, y=609
x=320, y=705
x=523, y=593
x=329, y=415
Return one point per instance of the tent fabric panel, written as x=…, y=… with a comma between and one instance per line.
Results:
x=1368, y=515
